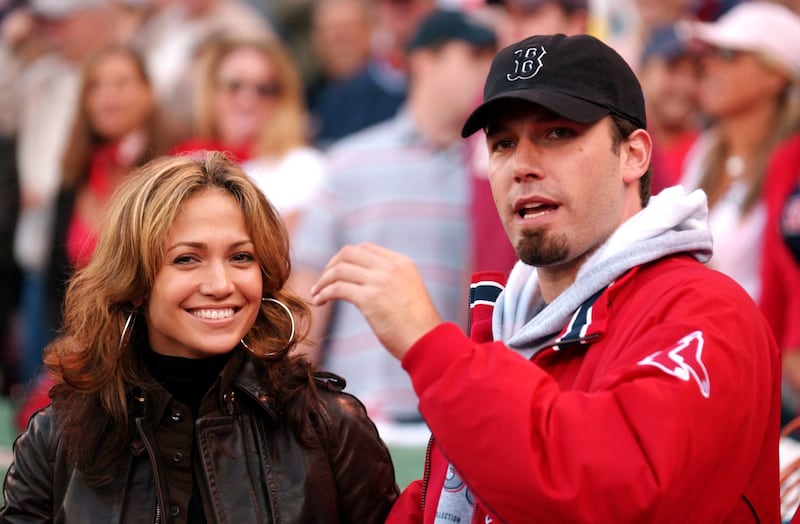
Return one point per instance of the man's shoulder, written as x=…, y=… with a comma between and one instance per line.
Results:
x=682, y=273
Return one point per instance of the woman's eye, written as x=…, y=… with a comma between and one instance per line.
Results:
x=183, y=260
x=243, y=257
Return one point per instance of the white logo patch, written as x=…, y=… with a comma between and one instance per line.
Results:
x=684, y=361
x=527, y=63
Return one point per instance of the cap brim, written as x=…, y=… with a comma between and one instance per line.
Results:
x=714, y=35
x=567, y=106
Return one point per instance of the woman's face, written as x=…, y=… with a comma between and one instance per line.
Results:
x=246, y=92
x=118, y=100
x=735, y=82
x=207, y=292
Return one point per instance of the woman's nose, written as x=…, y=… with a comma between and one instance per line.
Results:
x=216, y=280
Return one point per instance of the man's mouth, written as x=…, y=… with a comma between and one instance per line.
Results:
x=535, y=210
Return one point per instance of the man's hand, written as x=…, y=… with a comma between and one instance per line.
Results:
x=388, y=290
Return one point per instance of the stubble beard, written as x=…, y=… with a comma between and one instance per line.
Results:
x=536, y=249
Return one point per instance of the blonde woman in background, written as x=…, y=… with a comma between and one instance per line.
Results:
x=747, y=89
x=251, y=104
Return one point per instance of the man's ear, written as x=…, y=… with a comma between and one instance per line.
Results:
x=637, y=151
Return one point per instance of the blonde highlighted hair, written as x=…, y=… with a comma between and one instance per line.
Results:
x=94, y=365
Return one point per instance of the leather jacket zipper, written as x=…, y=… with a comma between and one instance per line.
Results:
x=151, y=451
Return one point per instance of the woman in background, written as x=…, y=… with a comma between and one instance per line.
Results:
x=117, y=127
x=748, y=90
x=251, y=105
x=175, y=396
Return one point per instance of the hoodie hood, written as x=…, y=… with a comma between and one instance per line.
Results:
x=673, y=222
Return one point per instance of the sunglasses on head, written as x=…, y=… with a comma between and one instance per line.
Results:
x=261, y=89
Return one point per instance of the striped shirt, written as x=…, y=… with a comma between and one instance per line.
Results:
x=388, y=186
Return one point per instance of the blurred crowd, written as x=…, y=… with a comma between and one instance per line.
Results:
x=347, y=114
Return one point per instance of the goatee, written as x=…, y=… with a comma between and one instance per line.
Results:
x=536, y=249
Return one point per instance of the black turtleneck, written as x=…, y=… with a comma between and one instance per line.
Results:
x=186, y=379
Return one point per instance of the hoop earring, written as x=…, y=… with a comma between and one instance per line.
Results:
x=288, y=312
x=127, y=331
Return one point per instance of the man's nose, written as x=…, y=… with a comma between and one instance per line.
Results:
x=526, y=162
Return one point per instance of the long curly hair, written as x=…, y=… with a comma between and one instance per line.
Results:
x=94, y=366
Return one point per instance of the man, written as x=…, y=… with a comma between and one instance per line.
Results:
x=628, y=382
x=514, y=20
x=520, y=18
x=669, y=71
x=355, y=89
x=403, y=184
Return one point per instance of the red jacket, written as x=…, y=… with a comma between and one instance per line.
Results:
x=666, y=410
x=780, y=273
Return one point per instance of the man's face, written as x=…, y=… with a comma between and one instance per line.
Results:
x=670, y=85
x=559, y=186
x=517, y=21
x=456, y=73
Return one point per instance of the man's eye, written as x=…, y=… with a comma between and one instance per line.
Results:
x=500, y=145
x=560, y=132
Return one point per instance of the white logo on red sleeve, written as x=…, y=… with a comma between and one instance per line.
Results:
x=683, y=361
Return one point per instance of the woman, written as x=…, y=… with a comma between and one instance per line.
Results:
x=748, y=90
x=116, y=126
x=175, y=393
x=250, y=104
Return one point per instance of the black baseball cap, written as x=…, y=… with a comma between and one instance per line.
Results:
x=577, y=77
x=444, y=25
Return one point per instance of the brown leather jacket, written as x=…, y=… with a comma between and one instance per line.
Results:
x=255, y=470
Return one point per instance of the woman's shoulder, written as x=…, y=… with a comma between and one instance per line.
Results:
x=343, y=412
x=333, y=396
x=41, y=436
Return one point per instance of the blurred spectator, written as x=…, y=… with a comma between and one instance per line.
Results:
x=780, y=256
x=174, y=31
x=355, y=90
x=116, y=127
x=749, y=73
x=669, y=73
x=518, y=19
x=48, y=93
x=250, y=103
x=15, y=28
x=10, y=282
x=403, y=184
x=397, y=21
x=628, y=24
